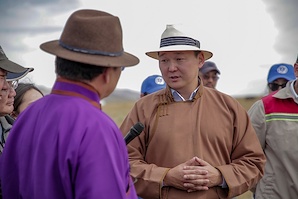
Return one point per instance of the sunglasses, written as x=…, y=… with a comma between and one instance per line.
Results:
x=275, y=86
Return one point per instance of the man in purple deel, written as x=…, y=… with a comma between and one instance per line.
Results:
x=64, y=145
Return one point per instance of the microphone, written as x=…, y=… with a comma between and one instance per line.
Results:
x=134, y=131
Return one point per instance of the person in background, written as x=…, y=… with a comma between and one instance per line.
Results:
x=10, y=70
x=10, y=73
x=26, y=93
x=275, y=119
x=209, y=73
x=278, y=76
x=63, y=145
x=152, y=84
x=197, y=142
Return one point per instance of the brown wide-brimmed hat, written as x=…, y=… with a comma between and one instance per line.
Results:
x=174, y=40
x=92, y=37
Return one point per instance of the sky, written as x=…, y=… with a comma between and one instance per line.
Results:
x=245, y=36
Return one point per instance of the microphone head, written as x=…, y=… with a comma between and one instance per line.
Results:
x=138, y=127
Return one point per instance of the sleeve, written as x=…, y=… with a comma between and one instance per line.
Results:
x=257, y=116
x=247, y=158
x=148, y=178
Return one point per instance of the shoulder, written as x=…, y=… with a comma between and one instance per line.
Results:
x=153, y=99
x=215, y=96
x=256, y=108
x=6, y=121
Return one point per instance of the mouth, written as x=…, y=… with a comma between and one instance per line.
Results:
x=10, y=103
x=174, y=78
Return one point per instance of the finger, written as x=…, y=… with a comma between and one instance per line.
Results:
x=192, y=161
x=191, y=187
x=201, y=162
x=189, y=171
x=203, y=178
x=194, y=167
x=199, y=182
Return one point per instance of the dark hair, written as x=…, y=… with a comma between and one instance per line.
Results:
x=20, y=92
x=197, y=53
x=77, y=71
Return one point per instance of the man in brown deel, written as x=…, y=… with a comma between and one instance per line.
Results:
x=197, y=142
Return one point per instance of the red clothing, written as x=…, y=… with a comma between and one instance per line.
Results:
x=275, y=119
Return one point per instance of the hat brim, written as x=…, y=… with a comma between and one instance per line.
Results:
x=273, y=78
x=12, y=67
x=154, y=54
x=125, y=59
x=16, y=76
x=157, y=88
x=210, y=69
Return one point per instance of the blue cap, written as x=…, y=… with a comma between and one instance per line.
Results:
x=282, y=70
x=152, y=84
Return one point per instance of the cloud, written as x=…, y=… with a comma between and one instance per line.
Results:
x=285, y=16
x=20, y=19
x=239, y=33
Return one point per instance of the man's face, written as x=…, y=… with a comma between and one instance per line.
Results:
x=7, y=98
x=296, y=69
x=277, y=84
x=210, y=79
x=180, y=69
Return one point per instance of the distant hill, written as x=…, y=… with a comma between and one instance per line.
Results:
x=127, y=95
x=123, y=95
x=119, y=95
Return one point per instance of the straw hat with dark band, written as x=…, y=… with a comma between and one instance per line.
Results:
x=174, y=40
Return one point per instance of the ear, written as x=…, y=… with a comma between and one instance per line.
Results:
x=201, y=59
x=106, y=75
x=296, y=69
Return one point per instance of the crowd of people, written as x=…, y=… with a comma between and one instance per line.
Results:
x=197, y=142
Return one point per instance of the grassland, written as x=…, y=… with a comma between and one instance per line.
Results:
x=118, y=111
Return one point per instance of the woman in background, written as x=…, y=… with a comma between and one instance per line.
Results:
x=26, y=93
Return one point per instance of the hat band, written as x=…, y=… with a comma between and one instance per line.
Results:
x=91, y=52
x=171, y=41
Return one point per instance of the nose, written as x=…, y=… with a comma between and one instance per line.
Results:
x=12, y=92
x=172, y=66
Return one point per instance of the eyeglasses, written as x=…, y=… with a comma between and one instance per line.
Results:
x=13, y=84
x=275, y=86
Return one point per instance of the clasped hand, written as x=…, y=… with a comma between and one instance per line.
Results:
x=193, y=175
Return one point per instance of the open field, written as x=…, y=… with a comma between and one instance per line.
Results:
x=118, y=111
